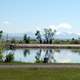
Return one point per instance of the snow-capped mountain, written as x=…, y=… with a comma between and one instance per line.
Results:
x=67, y=35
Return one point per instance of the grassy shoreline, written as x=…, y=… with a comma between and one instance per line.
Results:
x=36, y=65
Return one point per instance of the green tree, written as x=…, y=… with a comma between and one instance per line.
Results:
x=1, y=32
x=13, y=40
x=1, y=56
x=49, y=34
x=26, y=38
x=9, y=57
x=1, y=41
x=38, y=36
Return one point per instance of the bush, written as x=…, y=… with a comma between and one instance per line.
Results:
x=75, y=42
x=26, y=39
x=57, y=42
x=13, y=41
x=9, y=57
x=1, y=56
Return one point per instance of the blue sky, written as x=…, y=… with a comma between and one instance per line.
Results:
x=21, y=16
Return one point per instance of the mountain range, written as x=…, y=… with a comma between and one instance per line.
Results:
x=19, y=36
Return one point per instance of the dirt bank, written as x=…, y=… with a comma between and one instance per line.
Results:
x=45, y=45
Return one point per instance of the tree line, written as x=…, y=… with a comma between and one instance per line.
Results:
x=48, y=36
x=45, y=37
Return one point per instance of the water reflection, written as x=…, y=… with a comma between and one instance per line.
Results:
x=45, y=55
x=26, y=52
x=75, y=50
x=49, y=56
x=38, y=56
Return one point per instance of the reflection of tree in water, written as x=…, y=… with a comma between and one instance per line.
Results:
x=38, y=55
x=0, y=51
x=1, y=56
x=75, y=50
x=11, y=51
x=57, y=50
x=49, y=57
x=26, y=52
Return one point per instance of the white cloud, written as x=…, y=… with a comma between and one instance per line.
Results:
x=65, y=26
x=7, y=27
x=53, y=27
x=62, y=27
x=58, y=33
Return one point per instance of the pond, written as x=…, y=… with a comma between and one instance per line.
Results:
x=38, y=55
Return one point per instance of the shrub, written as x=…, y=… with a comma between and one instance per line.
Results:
x=1, y=56
x=13, y=40
x=9, y=57
x=26, y=38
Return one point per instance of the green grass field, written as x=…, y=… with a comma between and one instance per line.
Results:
x=39, y=74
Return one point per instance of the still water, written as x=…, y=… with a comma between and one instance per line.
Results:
x=41, y=55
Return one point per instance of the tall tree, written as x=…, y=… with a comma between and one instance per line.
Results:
x=38, y=36
x=1, y=32
x=49, y=35
x=26, y=38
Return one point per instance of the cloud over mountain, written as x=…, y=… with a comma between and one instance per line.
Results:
x=62, y=27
